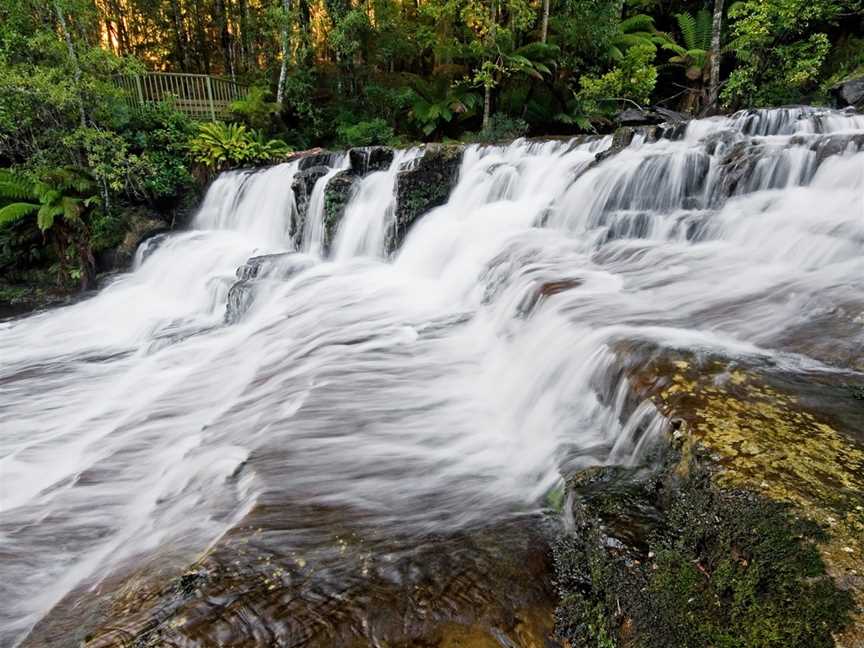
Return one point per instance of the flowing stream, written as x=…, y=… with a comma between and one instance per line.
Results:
x=415, y=398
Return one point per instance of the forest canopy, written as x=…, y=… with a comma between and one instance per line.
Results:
x=347, y=73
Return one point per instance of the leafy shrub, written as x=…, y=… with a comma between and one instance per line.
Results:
x=220, y=146
x=633, y=79
x=365, y=133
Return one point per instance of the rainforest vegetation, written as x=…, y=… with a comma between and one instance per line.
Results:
x=80, y=163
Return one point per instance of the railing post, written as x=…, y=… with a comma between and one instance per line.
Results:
x=140, y=91
x=210, y=99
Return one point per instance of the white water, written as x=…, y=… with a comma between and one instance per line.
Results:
x=312, y=240
x=435, y=389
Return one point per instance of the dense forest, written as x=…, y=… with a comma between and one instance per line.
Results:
x=78, y=162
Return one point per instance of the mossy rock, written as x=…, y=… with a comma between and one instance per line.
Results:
x=752, y=446
x=724, y=568
x=425, y=183
x=337, y=193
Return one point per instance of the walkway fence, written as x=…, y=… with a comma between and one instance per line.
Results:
x=201, y=96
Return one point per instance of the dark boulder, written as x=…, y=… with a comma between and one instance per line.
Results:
x=302, y=186
x=423, y=184
x=849, y=92
x=140, y=226
x=370, y=158
x=315, y=158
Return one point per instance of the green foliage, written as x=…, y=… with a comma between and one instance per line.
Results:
x=438, y=102
x=696, y=39
x=220, y=146
x=502, y=128
x=64, y=193
x=780, y=46
x=365, y=133
x=256, y=109
x=633, y=79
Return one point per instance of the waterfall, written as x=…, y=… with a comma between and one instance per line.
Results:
x=370, y=213
x=427, y=391
x=313, y=233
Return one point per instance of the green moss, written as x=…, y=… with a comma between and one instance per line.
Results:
x=727, y=569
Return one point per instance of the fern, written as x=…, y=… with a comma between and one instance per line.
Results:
x=704, y=26
x=687, y=26
x=16, y=211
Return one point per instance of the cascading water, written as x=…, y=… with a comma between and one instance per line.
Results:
x=363, y=405
x=313, y=233
x=370, y=214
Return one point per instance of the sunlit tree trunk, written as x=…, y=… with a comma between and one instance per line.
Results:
x=283, y=69
x=544, y=30
x=716, y=27
x=487, y=104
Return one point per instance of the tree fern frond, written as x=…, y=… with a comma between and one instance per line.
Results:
x=16, y=211
x=687, y=25
x=46, y=215
x=637, y=23
x=14, y=186
x=703, y=27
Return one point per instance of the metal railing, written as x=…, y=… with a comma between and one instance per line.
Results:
x=201, y=96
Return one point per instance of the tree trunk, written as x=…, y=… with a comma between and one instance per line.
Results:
x=544, y=30
x=180, y=36
x=72, y=58
x=487, y=105
x=203, y=48
x=221, y=19
x=283, y=69
x=716, y=27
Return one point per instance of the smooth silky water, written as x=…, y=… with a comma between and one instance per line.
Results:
x=367, y=450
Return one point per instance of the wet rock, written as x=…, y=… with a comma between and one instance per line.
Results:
x=370, y=158
x=302, y=186
x=849, y=92
x=790, y=442
x=624, y=136
x=672, y=559
x=314, y=158
x=257, y=269
x=337, y=193
x=832, y=145
x=424, y=183
x=649, y=116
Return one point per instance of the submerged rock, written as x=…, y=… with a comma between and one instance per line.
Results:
x=269, y=266
x=424, y=183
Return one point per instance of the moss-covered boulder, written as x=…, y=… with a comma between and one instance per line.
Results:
x=337, y=193
x=424, y=183
x=701, y=566
x=750, y=532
